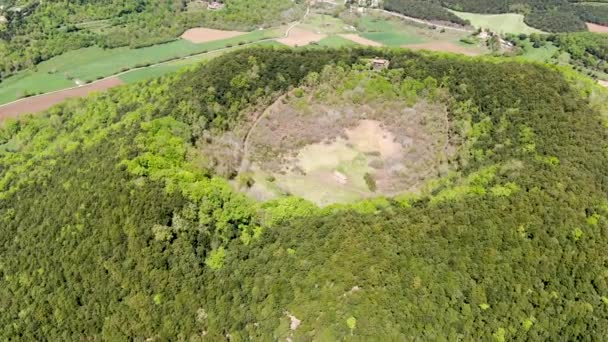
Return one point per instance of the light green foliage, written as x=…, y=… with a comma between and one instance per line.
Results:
x=577, y=234
x=528, y=323
x=526, y=137
x=504, y=190
x=593, y=220
x=216, y=258
x=500, y=335
x=484, y=306
x=474, y=184
x=158, y=299
x=351, y=322
x=285, y=209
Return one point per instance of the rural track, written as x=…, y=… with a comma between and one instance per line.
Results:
x=264, y=113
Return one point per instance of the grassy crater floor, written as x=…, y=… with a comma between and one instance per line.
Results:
x=342, y=148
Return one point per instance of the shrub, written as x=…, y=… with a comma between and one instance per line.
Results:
x=370, y=181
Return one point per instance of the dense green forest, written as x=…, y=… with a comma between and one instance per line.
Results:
x=113, y=229
x=36, y=31
x=549, y=16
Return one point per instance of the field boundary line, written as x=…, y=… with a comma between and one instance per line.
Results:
x=155, y=65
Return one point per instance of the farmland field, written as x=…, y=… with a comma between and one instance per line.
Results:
x=500, y=23
x=91, y=63
x=336, y=41
x=390, y=31
x=163, y=69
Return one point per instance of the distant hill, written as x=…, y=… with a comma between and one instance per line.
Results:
x=546, y=15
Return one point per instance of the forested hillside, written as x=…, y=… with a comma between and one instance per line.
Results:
x=113, y=226
x=549, y=16
x=35, y=31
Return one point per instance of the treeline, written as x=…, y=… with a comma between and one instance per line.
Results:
x=556, y=21
x=424, y=10
x=46, y=29
x=111, y=229
x=549, y=16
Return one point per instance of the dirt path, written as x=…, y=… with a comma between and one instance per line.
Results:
x=603, y=83
x=597, y=28
x=246, y=140
x=425, y=22
x=264, y=113
x=42, y=102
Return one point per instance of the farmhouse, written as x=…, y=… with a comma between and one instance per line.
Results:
x=379, y=63
x=215, y=5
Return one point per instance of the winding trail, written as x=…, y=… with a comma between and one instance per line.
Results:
x=246, y=140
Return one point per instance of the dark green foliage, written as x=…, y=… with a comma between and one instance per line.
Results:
x=110, y=231
x=556, y=21
x=423, y=9
x=547, y=15
x=594, y=13
x=370, y=181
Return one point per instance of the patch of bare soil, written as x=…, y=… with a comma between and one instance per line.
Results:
x=203, y=35
x=444, y=47
x=603, y=83
x=43, y=102
x=359, y=40
x=597, y=28
x=301, y=37
x=400, y=147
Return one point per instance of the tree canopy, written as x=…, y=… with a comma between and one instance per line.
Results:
x=111, y=229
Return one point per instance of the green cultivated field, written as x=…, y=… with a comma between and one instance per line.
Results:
x=388, y=32
x=336, y=42
x=393, y=32
x=92, y=63
x=163, y=69
x=500, y=23
x=541, y=54
x=392, y=38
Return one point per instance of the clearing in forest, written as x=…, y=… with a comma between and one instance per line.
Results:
x=330, y=146
x=597, y=28
x=203, y=35
x=499, y=23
